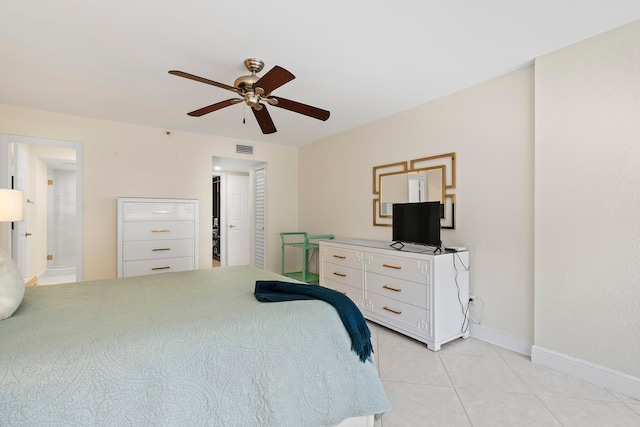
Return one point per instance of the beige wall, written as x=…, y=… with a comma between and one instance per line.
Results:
x=490, y=127
x=138, y=161
x=588, y=200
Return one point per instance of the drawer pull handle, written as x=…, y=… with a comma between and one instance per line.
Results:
x=392, y=266
x=392, y=289
x=160, y=249
x=391, y=310
x=340, y=274
x=160, y=268
x=343, y=293
x=340, y=256
x=160, y=212
x=160, y=231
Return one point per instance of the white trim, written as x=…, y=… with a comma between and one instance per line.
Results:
x=590, y=372
x=599, y=375
x=222, y=220
x=519, y=345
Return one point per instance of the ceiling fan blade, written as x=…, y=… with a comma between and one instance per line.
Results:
x=298, y=107
x=202, y=80
x=276, y=77
x=264, y=120
x=213, y=107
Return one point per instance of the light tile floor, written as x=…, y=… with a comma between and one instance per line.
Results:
x=473, y=383
x=52, y=277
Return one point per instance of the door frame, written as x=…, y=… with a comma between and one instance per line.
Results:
x=20, y=230
x=222, y=220
x=237, y=165
x=5, y=182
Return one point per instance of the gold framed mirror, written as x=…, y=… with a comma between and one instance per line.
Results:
x=419, y=180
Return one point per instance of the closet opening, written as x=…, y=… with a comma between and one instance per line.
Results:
x=215, y=222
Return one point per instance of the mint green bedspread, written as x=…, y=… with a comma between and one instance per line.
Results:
x=179, y=349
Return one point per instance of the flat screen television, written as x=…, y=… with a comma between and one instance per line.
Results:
x=417, y=223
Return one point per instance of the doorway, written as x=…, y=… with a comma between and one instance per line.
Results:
x=47, y=246
x=238, y=212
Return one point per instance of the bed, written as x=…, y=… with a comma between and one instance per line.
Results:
x=187, y=348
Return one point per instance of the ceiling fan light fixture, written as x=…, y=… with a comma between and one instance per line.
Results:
x=252, y=99
x=254, y=65
x=245, y=83
x=256, y=92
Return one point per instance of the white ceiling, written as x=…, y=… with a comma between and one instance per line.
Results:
x=362, y=60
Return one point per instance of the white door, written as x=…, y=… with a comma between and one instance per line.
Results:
x=237, y=220
x=20, y=234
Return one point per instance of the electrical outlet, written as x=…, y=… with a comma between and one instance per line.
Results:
x=472, y=298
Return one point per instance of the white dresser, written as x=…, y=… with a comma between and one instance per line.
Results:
x=421, y=295
x=156, y=235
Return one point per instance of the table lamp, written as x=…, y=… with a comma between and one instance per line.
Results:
x=11, y=280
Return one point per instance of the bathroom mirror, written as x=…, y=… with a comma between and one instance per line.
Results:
x=420, y=180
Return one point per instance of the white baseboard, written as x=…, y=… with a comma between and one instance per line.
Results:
x=595, y=374
x=519, y=345
x=590, y=372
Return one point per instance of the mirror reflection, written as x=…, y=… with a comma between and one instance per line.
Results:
x=411, y=187
x=426, y=179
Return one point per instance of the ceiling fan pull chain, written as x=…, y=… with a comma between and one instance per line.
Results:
x=244, y=114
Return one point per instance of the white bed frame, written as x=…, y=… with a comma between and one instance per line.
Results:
x=363, y=421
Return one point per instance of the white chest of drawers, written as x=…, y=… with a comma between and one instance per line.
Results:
x=423, y=296
x=156, y=235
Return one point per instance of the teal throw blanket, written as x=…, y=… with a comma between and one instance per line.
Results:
x=354, y=323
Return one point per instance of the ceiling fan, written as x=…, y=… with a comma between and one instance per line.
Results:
x=256, y=92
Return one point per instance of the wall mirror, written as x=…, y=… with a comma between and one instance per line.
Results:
x=420, y=180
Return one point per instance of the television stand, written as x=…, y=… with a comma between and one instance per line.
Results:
x=421, y=295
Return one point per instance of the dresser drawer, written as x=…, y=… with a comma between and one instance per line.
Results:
x=400, y=314
x=139, y=268
x=354, y=293
x=157, y=230
x=158, y=211
x=345, y=275
x=403, y=268
x=154, y=249
x=400, y=290
x=343, y=257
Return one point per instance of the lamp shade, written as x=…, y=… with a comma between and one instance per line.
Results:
x=11, y=205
